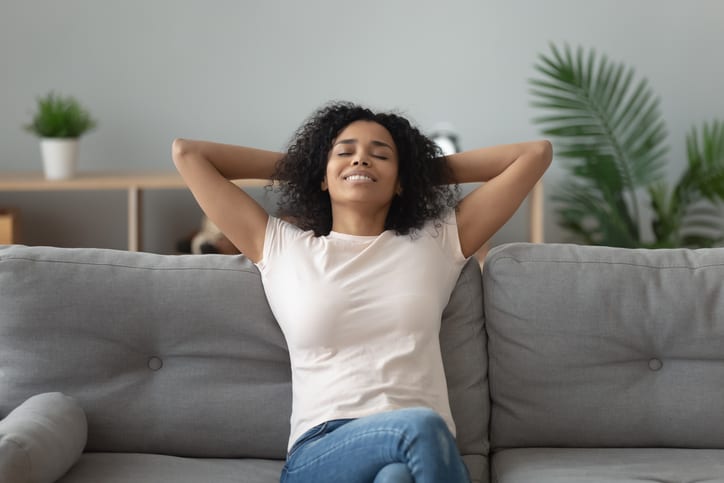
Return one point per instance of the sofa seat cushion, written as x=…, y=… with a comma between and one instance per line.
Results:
x=614, y=465
x=138, y=468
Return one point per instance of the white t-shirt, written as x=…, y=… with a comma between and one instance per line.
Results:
x=361, y=316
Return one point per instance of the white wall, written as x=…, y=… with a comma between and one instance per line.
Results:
x=249, y=72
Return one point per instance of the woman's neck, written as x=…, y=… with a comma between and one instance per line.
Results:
x=353, y=222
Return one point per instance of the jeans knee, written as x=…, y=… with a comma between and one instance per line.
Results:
x=425, y=423
x=429, y=427
x=425, y=418
x=394, y=473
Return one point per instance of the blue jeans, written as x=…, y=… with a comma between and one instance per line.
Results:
x=400, y=446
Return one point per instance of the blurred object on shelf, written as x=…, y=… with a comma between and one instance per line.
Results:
x=8, y=226
x=446, y=138
x=209, y=239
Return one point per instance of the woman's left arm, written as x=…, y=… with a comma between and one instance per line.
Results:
x=509, y=171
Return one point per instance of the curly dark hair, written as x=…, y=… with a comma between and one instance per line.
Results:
x=423, y=171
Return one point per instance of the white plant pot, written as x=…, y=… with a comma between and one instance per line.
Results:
x=60, y=157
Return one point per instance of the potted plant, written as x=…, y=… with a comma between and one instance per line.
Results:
x=611, y=131
x=60, y=122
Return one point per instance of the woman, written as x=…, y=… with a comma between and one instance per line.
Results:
x=358, y=283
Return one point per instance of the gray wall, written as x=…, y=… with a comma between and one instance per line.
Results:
x=249, y=72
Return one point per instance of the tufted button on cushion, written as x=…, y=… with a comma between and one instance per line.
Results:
x=655, y=364
x=155, y=363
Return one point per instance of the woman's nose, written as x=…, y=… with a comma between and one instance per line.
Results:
x=363, y=162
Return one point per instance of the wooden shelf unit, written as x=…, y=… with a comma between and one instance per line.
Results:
x=134, y=183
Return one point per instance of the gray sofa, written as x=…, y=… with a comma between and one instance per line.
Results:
x=589, y=365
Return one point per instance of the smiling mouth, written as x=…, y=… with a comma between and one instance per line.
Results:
x=359, y=178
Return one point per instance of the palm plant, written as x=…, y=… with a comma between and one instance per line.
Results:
x=611, y=132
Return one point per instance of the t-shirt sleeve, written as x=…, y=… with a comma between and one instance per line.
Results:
x=445, y=231
x=277, y=235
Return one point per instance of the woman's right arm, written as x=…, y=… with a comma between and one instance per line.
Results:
x=207, y=169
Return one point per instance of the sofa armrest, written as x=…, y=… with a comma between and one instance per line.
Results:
x=41, y=439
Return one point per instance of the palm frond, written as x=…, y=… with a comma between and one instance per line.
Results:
x=666, y=219
x=600, y=116
x=592, y=216
x=706, y=159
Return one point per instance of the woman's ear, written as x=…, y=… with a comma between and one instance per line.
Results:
x=398, y=190
x=324, y=185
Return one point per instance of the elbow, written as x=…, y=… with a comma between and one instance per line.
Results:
x=179, y=150
x=544, y=152
x=547, y=149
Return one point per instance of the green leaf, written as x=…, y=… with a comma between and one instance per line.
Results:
x=705, y=150
x=60, y=117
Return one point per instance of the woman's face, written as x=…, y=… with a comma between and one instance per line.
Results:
x=362, y=166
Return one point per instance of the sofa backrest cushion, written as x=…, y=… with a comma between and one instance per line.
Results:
x=605, y=347
x=464, y=356
x=179, y=354
x=166, y=354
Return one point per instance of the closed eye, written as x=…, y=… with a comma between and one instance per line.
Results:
x=378, y=156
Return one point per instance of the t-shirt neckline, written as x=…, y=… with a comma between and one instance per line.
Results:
x=345, y=236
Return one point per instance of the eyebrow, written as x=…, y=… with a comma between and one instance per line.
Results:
x=374, y=142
